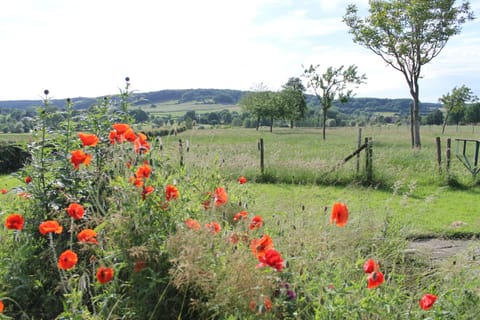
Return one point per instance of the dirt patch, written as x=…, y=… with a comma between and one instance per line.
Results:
x=442, y=249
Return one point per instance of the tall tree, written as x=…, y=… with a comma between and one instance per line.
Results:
x=333, y=83
x=293, y=100
x=454, y=103
x=407, y=35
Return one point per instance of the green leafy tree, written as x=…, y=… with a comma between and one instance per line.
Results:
x=293, y=100
x=333, y=83
x=472, y=113
x=407, y=35
x=139, y=115
x=455, y=102
x=435, y=117
x=257, y=103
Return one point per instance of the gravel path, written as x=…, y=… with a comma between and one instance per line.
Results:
x=442, y=249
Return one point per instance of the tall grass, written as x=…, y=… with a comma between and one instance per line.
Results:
x=300, y=155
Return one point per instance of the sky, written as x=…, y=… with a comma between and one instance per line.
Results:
x=86, y=48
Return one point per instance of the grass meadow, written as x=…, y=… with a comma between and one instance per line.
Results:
x=304, y=172
x=162, y=267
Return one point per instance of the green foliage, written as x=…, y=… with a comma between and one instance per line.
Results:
x=435, y=117
x=332, y=84
x=455, y=104
x=12, y=158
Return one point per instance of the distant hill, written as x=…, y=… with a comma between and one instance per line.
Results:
x=227, y=96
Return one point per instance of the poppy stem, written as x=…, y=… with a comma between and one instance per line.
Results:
x=63, y=278
x=71, y=233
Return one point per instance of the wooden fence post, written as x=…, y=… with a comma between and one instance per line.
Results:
x=449, y=145
x=439, y=154
x=358, y=146
x=369, y=159
x=262, y=163
x=180, y=151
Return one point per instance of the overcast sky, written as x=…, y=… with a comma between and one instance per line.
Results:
x=86, y=48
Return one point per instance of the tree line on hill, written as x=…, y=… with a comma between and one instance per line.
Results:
x=17, y=116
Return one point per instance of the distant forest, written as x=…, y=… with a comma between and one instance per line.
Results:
x=400, y=107
x=19, y=116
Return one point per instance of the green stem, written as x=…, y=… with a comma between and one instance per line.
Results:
x=63, y=278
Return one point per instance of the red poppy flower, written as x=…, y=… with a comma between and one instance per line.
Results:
x=256, y=222
x=88, y=139
x=267, y=303
x=104, y=275
x=3, y=191
x=28, y=179
x=171, y=192
x=1, y=306
x=369, y=266
x=121, y=128
x=271, y=258
x=213, y=227
x=67, y=260
x=137, y=182
x=130, y=135
x=221, y=197
x=339, y=214
x=87, y=236
x=252, y=305
x=242, y=180
x=139, y=265
x=240, y=215
x=112, y=136
x=260, y=245
x=144, y=170
x=79, y=157
x=14, y=221
x=192, y=224
x=50, y=226
x=234, y=238
x=375, y=279
x=75, y=210
x=427, y=301
x=141, y=145
x=146, y=191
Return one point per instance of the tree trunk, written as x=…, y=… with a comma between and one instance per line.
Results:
x=412, y=125
x=417, y=120
x=258, y=123
x=291, y=124
x=445, y=122
x=415, y=112
x=271, y=124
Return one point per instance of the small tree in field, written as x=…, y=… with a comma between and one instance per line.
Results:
x=455, y=101
x=407, y=35
x=472, y=114
x=293, y=100
x=333, y=83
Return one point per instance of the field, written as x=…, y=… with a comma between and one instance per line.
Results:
x=176, y=109
x=408, y=182
x=197, y=274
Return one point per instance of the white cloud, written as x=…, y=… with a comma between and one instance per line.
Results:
x=87, y=47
